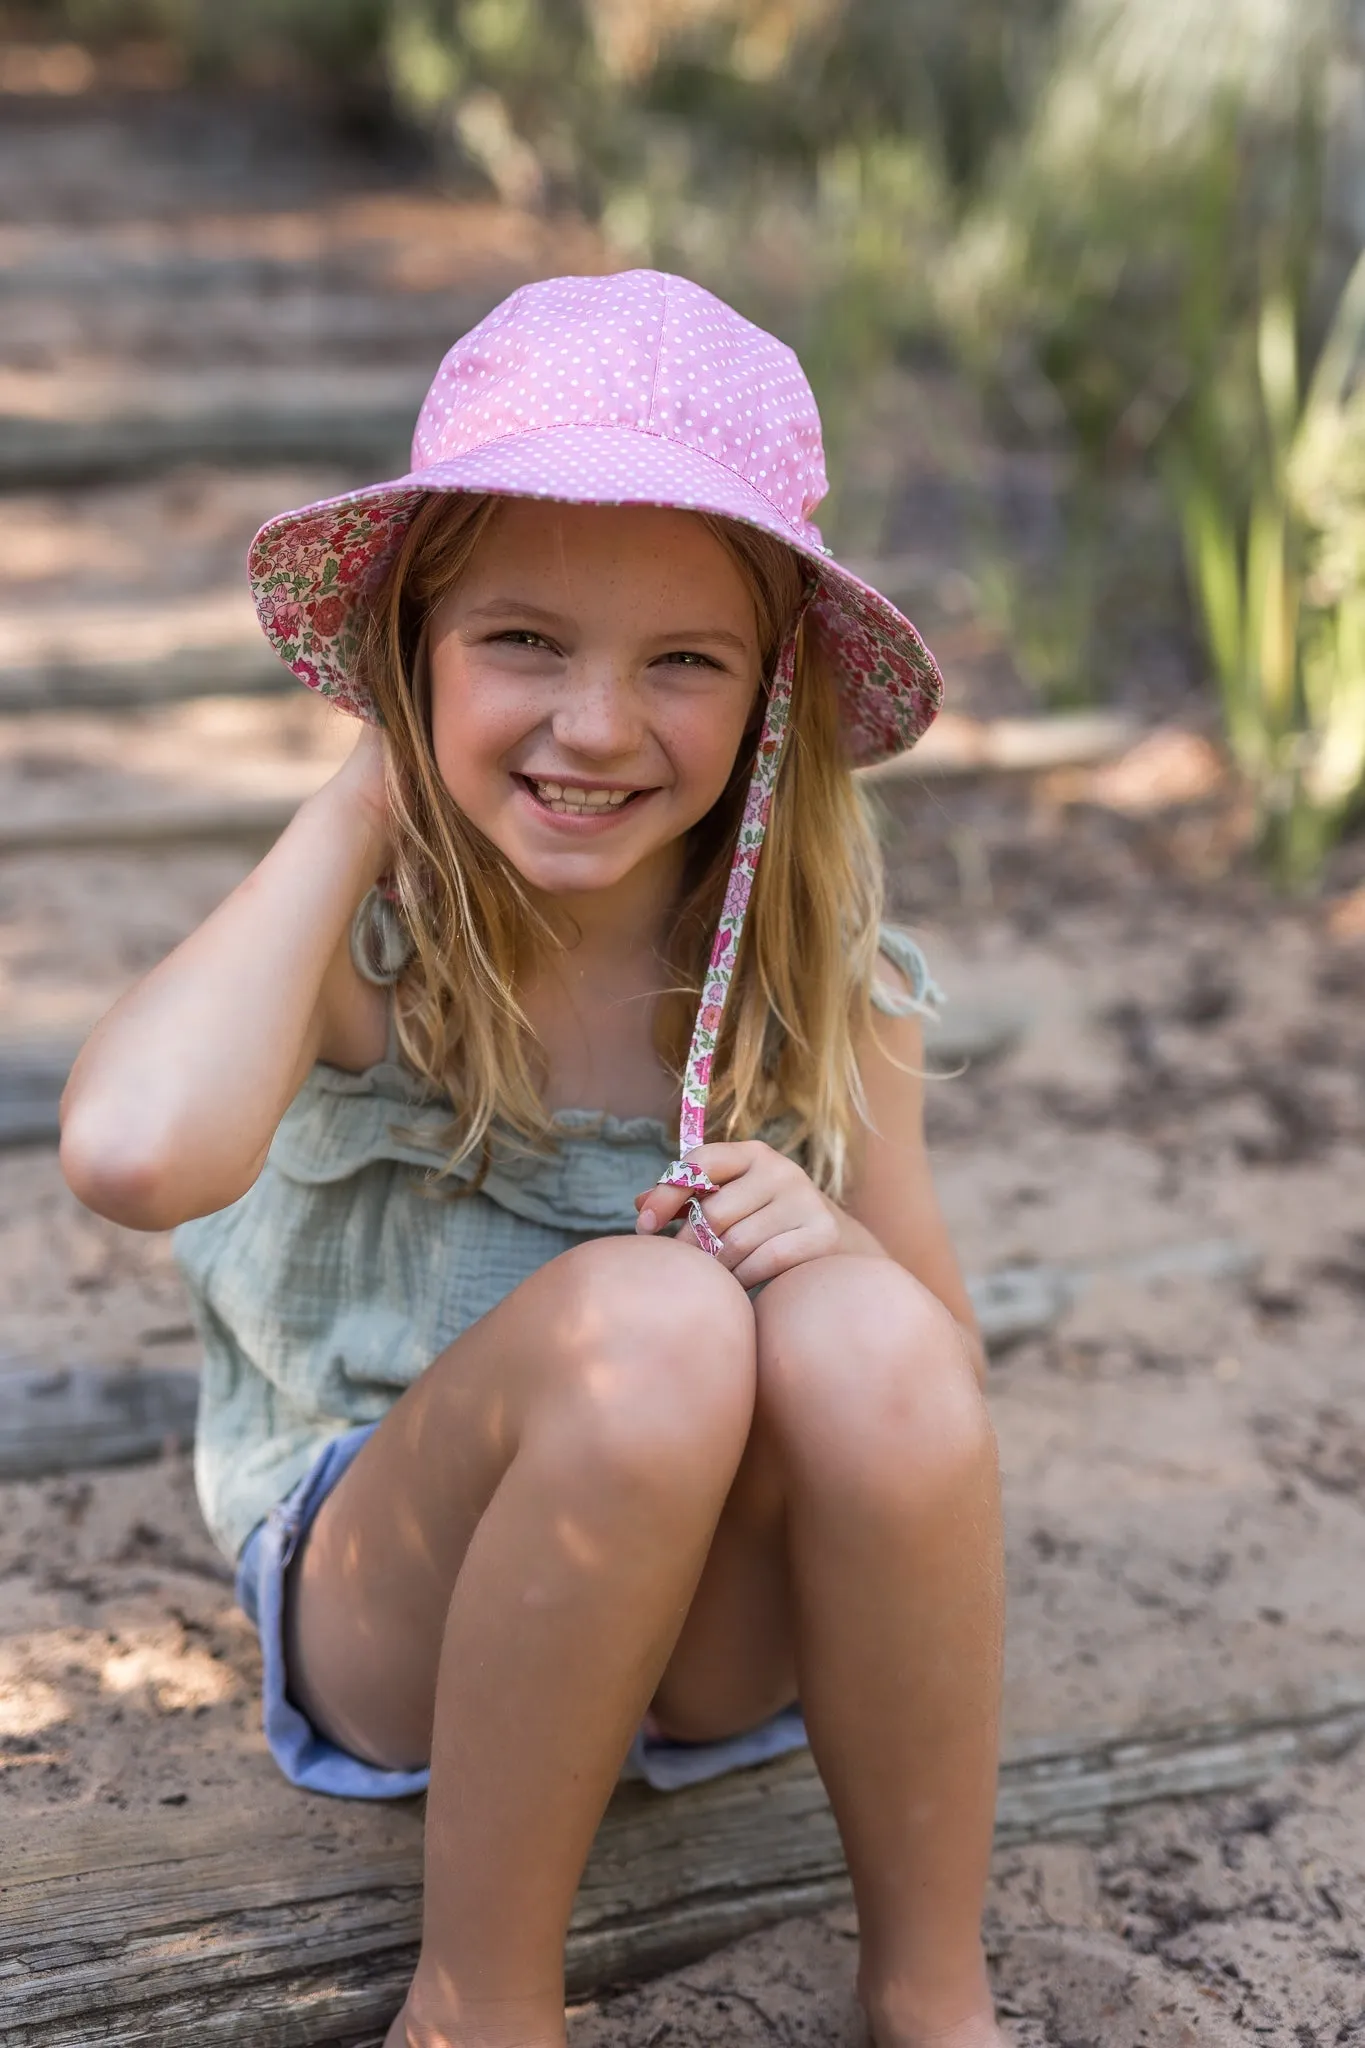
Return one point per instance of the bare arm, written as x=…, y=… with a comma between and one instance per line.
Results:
x=891, y=1193
x=173, y=1102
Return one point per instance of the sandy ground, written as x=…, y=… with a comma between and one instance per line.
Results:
x=1184, y=1460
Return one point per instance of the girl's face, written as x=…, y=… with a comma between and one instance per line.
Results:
x=592, y=675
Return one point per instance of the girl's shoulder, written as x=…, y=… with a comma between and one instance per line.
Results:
x=909, y=988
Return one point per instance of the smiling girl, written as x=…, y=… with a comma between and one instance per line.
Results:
x=545, y=1448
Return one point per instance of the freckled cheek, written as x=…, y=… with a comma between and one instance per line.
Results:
x=703, y=753
x=473, y=730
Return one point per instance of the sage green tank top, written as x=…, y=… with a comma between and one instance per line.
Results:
x=341, y=1273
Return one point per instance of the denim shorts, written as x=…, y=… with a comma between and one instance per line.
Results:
x=309, y=1760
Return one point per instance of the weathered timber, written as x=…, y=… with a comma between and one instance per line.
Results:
x=137, y=426
x=958, y=746
x=229, y=670
x=236, y=820
x=1024, y=1301
x=298, y=1925
x=32, y=1078
x=77, y=1417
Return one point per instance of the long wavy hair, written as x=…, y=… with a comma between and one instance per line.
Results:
x=786, y=1063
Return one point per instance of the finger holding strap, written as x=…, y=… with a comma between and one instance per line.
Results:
x=725, y=947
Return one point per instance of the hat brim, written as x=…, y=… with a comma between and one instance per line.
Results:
x=313, y=570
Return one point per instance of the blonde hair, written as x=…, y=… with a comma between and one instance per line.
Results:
x=799, y=1000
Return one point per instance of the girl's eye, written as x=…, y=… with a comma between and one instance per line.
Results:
x=519, y=636
x=689, y=658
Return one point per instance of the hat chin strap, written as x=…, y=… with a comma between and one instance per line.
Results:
x=725, y=947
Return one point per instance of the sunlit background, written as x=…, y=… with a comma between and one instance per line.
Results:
x=1113, y=240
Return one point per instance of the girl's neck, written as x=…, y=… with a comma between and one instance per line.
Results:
x=592, y=1006
x=623, y=922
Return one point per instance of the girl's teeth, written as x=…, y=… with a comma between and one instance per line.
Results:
x=556, y=798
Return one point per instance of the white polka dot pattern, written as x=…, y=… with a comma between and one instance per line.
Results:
x=639, y=388
x=640, y=350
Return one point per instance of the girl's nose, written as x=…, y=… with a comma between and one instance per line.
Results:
x=599, y=713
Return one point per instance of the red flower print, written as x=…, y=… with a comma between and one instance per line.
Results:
x=328, y=615
x=710, y=1017
x=353, y=565
x=285, y=620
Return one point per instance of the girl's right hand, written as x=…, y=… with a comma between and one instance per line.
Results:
x=362, y=781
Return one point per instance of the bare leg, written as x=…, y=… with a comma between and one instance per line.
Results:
x=860, y=1553
x=502, y=1574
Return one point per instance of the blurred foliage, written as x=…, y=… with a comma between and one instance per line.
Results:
x=1079, y=202
x=1277, y=568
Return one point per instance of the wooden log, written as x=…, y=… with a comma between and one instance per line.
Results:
x=73, y=433
x=31, y=1082
x=404, y=250
x=235, y=819
x=298, y=1924
x=1020, y=1302
x=229, y=670
x=148, y=648
x=1016, y=1302
x=959, y=746
x=81, y=1417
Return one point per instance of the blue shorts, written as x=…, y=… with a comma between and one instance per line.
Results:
x=310, y=1760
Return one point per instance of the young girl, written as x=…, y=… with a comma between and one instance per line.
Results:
x=548, y=1447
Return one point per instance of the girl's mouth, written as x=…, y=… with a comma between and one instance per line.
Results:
x=577, y=800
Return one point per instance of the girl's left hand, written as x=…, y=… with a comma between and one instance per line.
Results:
x=766, y=1212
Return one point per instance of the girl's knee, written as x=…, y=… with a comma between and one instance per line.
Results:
x=651, y=1353
x=863, y=1371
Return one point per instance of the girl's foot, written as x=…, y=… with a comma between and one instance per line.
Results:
x=503, y=2030
x=897, y=2021
x=982, y=2030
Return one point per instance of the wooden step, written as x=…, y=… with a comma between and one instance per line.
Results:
x=62, y=430
x=141, y=651
x=297, y=1924
x=81, y=1417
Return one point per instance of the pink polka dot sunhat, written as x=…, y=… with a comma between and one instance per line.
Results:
x=635, y=389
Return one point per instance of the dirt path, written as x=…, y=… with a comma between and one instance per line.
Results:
x=1185, y=1462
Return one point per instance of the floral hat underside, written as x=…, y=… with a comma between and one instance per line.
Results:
x=313, y=570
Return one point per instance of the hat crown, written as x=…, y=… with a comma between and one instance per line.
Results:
x=643, y=350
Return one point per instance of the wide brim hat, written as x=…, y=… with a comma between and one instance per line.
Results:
x=633, y=389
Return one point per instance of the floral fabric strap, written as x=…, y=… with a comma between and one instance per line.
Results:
x=725, y=950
